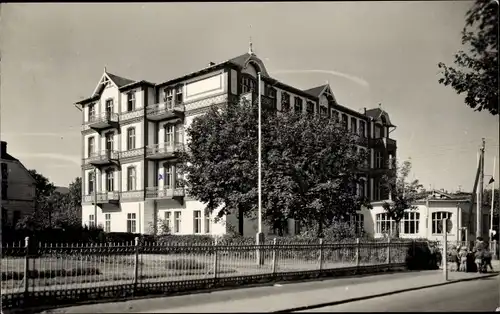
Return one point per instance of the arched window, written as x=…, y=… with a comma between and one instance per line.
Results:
x=384, y=223
x=248, y=83
x=410, y=223
x=437, y=222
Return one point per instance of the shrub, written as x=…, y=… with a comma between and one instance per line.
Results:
x=185, y=264
x=34, y=274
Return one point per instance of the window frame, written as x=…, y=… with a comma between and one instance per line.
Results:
x=132, y=178
x=131, y=137
x=197, y=224
x=107, y=222
x=131, y=223
x=131, y=101
x=435, y=222
x=177, y=221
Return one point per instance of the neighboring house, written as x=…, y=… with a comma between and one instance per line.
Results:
x=426, y=220
x=17, y=188
x=133, y=130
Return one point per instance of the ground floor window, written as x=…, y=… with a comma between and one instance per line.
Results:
x=177, y=222
x=197, y=221
x=437, y=222
x=384, y=223
x=107, y=222
x=131, y=223
x=91, y=222
x=410, y=223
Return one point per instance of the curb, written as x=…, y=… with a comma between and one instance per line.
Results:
x=373, y=296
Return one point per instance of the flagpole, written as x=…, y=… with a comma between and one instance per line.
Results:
x=492, y=198
x=260, y=235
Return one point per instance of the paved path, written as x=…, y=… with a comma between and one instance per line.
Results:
x=274, y=298
x=474, y=296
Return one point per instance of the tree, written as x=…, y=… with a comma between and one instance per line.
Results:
x=43, y=187
x=308, y=166
x=477, y=73
x=404, y=193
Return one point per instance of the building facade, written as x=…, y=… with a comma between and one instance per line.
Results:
x=132, y=132
x=17, y=188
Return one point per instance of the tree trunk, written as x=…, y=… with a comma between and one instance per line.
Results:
x=396, y=229
x=320, y=229
x=240, y=221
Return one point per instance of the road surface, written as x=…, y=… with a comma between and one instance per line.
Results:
x=477, y=296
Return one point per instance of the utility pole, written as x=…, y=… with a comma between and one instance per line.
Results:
x=95, y=197
x=479, y=206
x=492, y=200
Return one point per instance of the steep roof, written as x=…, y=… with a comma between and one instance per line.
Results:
x=119, y=81
x=316, y=91
x=377, y=114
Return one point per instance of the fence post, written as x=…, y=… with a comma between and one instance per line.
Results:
x=136, y=264
x=445, y=251
x=357, y=253
x=215, y=259
x=26, y=268
x=495, y=249
x=389, y=250
x=274, y=256
x=320, y=254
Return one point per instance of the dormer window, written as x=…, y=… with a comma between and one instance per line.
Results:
x=298, y=105
x=91, y=113
x=285, y=101
x=178, y=94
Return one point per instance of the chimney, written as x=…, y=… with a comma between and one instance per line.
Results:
x=3, y=149
x=364, y=110
x=211, y=64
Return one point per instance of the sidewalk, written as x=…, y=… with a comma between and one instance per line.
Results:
x=280, y=297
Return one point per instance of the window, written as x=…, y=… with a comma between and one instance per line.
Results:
x=310, y=108
x=384, y=223
x=178, y=94
x=16, y=217
x=379, y=160
x=178, y=134
x=91, y=112
x=247, y=84
x=177, y=222
x=207, y=223
x=285, y=101
x=5, y=180
x=323, y=111
x=335, y=115
x=91, y=183
x=130, y=138
x=437, y=222
x=344, y=121
x=377, y=190
x=410, y=223
x=359, y=223
x=167, y=222
x=362, y=188
x=197, y=221
x=131, y=223
x=131, y=179
x=90, y=146
x=178, y=177
x=91, y=222
x=107, y=222
x=169, y=134
x=362, y=127
x=109, y=106
x=379, y=131
x=168, y=177
x=169, y=97
x=298, y=105
x=131, y=101
x=354, y=125
x=297, y=226
x=110, y=180
x=109, y=141
x=271, y=93
x=5, y=217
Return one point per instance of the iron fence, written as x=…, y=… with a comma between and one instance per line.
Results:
x=36, y=273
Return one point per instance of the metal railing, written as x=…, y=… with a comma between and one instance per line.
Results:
x=33, y=272
x=103, y=117
x=101, y=197
x=164, y=107
x=101, y=156
x=164, y=148
x=157, y=192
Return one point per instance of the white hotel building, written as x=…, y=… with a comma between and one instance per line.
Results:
x=133, y=130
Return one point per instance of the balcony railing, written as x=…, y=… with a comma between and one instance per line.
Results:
x=103, y=120
x=124, y=116
x=132, y=195
x=164, y=193
x=102, y=158
x=164, y=150
x=390, y=142
x=132, y=153
x=102, y=197
x=165, y=110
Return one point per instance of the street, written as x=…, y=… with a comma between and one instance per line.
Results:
x=476, y=296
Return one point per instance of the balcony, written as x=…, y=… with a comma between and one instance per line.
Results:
x=266, y=102
x=105, y=157
x=103, y=121
x=165, y=111
x=132, y=153
x=102, y=198
x=164, y=193
x=130, y=115
x=164, y=150
x=390, y=143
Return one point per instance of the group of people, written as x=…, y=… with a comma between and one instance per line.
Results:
x=481, y=254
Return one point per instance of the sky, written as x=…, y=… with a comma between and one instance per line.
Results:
x=369, y=52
